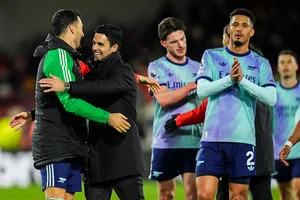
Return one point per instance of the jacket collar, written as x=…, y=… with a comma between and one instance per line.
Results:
x=53, y=42
x=103, y=66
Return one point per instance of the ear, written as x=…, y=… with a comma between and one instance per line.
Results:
x=114, y=47
x=163, y=43
x=252, y=32
x=72, y=28
x=297, y=67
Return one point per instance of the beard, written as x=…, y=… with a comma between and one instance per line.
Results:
x=238, y=43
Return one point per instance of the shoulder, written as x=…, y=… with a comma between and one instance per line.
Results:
x=158, y=65
x=193, y=62
x=260, y=59
x=123, y=67
x=158, y=62
x=57, y=55
x=215, y=51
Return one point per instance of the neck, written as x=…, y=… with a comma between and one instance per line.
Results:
x=175, y=59
x=109, y=55
x=238, y=49
x=289, y=82
x=68, y=40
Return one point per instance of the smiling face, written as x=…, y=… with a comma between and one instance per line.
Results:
x=241, y=29
x=102, y=47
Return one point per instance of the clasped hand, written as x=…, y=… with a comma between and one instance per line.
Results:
x=236, y=73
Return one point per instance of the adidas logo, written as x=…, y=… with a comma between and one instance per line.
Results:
x=223, y=64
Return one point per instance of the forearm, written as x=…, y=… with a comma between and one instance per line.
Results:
x=83, y=109
x=188, y=118
x=266, y=95
x=295, y=137
x=118, y=83
x=192, y=117
x=98, y=88
x=207, y=88
x=171, y=97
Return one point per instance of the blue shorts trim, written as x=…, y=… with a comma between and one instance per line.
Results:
x=287, y=173
x=65, y=175
x=167, y=164
x=237, y=160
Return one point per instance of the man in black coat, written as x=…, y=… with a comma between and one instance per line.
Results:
x=116, y=160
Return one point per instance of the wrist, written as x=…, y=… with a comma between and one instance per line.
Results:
x=242, y=81
x=136, y=77
x=193, y=86
x=289, y=144
x=32, y=114
x=177, y=121
x=67, y=86
x=229, y=79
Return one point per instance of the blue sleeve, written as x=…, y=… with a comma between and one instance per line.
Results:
x=265, y=94
x=206, y=68
x=265, y=76
x=157, y=73
x=206, y=88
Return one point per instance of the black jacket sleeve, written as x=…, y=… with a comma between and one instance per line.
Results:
x=118, y=82
x=32, y=112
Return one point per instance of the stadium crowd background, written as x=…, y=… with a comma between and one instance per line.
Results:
x=24, y=25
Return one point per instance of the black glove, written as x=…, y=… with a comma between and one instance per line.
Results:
x=170, y=125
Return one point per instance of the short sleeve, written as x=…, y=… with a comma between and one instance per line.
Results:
x=157, y=73
x=265, y=76
x=205, y=69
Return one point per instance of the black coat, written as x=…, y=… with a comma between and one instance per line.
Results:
x=265, y=163
x=111, y=85
x=58, y=135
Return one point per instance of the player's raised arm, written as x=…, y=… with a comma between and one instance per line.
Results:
x=265, y=91
x=166, y=97
x=206, y=86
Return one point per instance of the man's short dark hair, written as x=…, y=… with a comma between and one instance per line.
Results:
x=289, y=52
x=169, y=25
x=62, y=19
x=243, y=11
x=113, y=33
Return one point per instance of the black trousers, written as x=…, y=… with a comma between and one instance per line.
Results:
x=128, y=188
x=260, y=187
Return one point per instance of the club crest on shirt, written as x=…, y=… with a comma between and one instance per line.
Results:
x=252, y=68
x=154, y=75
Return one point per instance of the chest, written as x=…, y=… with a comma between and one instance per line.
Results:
x=250, y=68
x=179, y=76
x=288, y=101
